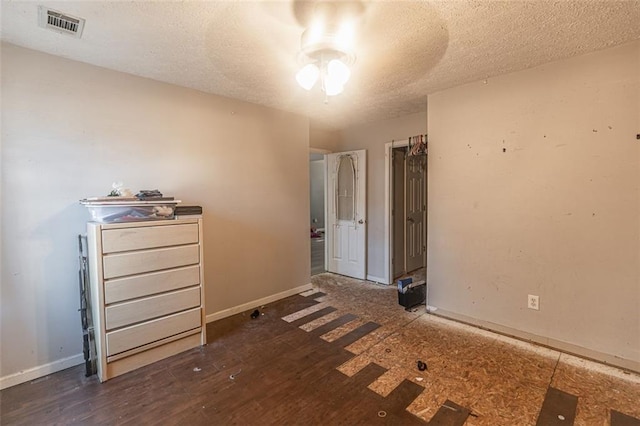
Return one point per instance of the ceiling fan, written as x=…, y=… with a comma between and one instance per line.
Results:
x=328, y=43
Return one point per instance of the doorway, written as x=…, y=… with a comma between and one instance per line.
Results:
x=317, y=209
x=405, y=212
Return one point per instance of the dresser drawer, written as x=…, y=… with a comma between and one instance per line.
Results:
x=146, y=237
x=139, y=310
x=138, y=262
x=151, y=331
x=120, y=289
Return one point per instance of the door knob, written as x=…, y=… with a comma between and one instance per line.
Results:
x=410, y=219
x=361, y=221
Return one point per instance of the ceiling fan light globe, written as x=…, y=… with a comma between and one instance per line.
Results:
x=333, y=87
x=308, y=76
x=338, y=71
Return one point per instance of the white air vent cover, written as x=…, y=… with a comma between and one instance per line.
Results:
x=60, y=22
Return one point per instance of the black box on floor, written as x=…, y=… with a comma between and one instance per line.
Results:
x=411, y=294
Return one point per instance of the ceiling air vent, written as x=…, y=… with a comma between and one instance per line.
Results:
x=60, y=22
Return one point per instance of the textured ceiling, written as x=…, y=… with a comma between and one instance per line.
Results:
x=247, y=50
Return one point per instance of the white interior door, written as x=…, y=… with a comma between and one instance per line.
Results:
x=346, y=219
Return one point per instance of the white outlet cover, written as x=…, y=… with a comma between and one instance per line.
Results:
x=533, y=302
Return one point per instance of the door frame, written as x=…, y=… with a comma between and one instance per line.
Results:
x=323, y=153
x=388, y=192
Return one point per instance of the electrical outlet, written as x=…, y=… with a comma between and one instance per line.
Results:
x=533, y=302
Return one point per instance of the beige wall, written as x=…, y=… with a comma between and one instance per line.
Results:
x=70, y=129
x=556, y=215
x=373, y=137
x=324, y=139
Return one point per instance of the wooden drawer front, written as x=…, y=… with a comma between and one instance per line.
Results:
x=129, y=363
x=120, y=289
x=142, y=334
x=137, y=262
x=139, y=310
x=145, y=237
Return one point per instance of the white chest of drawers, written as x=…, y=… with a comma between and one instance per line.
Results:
x=147, y=291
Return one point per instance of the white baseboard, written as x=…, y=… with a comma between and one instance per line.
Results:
x=40, y=371
x=559, y=345
x=72, y=361
x=376, y=279
x=259, y=302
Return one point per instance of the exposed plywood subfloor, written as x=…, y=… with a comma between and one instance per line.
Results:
x=312, y=325
x=500, y=379
x=304, y=312
x=598, y=388
x=342, y=330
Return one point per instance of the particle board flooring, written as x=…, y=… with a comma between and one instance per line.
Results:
x=343, y=353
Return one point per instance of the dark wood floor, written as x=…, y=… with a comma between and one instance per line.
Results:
x=253, y=371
